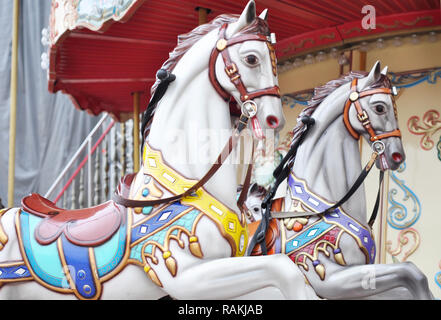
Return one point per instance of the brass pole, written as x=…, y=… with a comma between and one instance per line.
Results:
x=136, y=131
x=382, y=228
x=363, y=60
x=202, y=15
x=362, y=67
x=383, y=221
x=13, y=106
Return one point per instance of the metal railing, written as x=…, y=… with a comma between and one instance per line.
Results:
x=94, y=170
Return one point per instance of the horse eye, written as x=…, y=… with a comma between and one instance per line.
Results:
x=251, y=59
x=379, y=108
x=256, y=209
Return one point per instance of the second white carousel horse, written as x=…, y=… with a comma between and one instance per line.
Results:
x=334, y=247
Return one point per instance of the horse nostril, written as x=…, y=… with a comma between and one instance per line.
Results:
x=397, y=157
x=272, y=121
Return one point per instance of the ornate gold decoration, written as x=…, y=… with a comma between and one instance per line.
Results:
x=301, y=44
x=195, y=247
x=221, y=44
x=327, y=36
x=231, y=226
x=170, y=262
x=320, y=269
x=339, y=259
x=395, y=25
x=353, y=96
x=431, y=123
x=418, y=19
x=154, y=193
x=403, y=240
x=152, y=274
x=290, y=222
x=352, y=30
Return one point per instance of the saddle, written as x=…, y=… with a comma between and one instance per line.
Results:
x=84, y=227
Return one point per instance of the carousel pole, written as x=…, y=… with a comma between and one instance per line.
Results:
x=362, y=67
x=136, y=131
x=382, y=228
x=202, y=14
x=13, y=106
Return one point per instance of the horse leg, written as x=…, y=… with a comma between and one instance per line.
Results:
x=368, y=281
x=263, y=277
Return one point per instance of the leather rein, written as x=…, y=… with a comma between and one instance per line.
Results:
x=283, y=170
x=248, y=110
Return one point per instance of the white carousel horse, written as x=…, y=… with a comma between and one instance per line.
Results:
x=336, y=250
x=190, y=248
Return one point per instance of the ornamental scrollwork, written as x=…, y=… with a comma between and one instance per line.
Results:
x=408, y=80
x=295, y=99
x=402, y=242
x=429, y=125
x=404, y=214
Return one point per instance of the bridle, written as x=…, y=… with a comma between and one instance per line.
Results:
x=362, y=116
x=248, y=110
x=284, y=168
x=231, y=69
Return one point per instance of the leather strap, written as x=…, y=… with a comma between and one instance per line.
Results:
x=394, y=133
x=246, y=185
x=356, y=184
x=377, y=201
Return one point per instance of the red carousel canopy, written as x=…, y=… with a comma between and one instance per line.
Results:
x=101, y=51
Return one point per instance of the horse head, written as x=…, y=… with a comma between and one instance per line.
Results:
x=245, y=68
x=371, y=112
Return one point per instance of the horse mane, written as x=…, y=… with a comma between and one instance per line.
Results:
x=187, y=40
x=320, y=94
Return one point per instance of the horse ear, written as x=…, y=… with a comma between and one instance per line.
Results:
x=384, y=71
x=248, y=15
x=264, y=15
x=374, y=75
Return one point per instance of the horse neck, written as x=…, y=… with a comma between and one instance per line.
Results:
x=192, y=124
x=329, y=158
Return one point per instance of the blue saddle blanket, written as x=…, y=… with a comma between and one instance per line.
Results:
x=68, y=268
